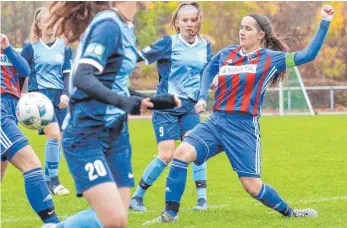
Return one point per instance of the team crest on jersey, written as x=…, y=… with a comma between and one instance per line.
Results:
x=95, y=50
x=228, y=70
x=252, y=56
x=202, y=55
x=4, y=60
x=59, y=58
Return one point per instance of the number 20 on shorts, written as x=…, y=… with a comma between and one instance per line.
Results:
x=95, y=169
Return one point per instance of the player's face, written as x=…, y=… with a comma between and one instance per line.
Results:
x=249, y=35
x=44, y=22
x=187, y=23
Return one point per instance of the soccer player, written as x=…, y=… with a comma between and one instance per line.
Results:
x=15, y=147
x=96, y=125
x=180, y=59
x=50, y=62
x=243, y=71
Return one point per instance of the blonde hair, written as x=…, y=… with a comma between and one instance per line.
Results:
x=35, y=31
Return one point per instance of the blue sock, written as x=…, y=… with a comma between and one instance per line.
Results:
x=38, y=195
x=270, y=198
x=52, y=157
x=150, y=175
x=200, y=177
x=175, y=185
x=47, y=178
x=85, y=219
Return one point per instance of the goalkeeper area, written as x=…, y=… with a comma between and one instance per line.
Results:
x=303, y=157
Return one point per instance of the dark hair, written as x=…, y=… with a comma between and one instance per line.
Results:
x=73, y=17
x=199, y=16
x=271, y=41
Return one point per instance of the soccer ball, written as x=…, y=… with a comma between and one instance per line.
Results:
x=34, y=110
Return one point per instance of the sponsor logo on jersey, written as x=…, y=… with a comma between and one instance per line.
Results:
x=4, y=61
x=227, y=70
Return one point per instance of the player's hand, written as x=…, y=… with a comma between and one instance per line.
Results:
x=214, y=84
x=64, y=101
x=145, y=105
x=328, y=13
x=177, y=101
x=200, y=106
x=4, y=41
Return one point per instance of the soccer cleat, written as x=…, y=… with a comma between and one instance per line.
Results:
x=302, y=213
x=59, y=190
x=49, y=225
x=163, y=218
x=202, y=205
x=136, y=204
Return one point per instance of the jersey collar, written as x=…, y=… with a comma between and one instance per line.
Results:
x=49, y=47
x=188, y=44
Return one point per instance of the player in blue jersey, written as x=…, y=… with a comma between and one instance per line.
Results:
x=96, y=139
x=243, y=73
x=50, y=62
x=15, y=147
x=180, y=59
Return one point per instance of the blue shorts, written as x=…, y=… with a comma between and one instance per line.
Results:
x=171, y=126
x=54, y=96
x=236, y=134
x=12, y=139
x=98, y=157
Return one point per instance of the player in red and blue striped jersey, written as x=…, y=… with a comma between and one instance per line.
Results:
x=15, y=147
x=243, y=73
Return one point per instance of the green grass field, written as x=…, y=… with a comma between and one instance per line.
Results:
x=303, y=157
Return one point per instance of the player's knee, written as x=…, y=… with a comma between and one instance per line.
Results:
x=185, y=152
x=26, y=159
x=116, y=221
x=251, y=185
x=52, y=131
x=166, y=157
x=166, y=151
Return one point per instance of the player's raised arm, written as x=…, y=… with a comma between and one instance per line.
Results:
x=18, y=61
x=311, y=51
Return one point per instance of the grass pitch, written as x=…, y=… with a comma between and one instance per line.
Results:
x=303, y=158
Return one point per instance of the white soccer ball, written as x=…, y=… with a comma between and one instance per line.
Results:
x=34, y=110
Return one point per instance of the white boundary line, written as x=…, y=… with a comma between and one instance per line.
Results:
x=336, y=198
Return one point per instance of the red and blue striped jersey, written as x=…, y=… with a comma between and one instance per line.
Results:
x=9, y=80
x=243, y=78
x=11, y=64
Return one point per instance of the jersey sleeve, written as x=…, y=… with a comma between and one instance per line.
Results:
x=28, y=53
x=209, y=52
x=102, y=42
x=284, y=60
x=158, y=50
x=19, y=63
x=211, y=70
x=68, y=60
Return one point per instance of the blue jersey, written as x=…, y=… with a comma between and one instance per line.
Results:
x=179, y=64
x=243, y=78
x=109, y=45
x=47, y=63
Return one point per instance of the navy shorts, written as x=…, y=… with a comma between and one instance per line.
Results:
x=171, y=126
x=59, y=114
x=236, y=134
x=99, y=157
x=12, y=139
